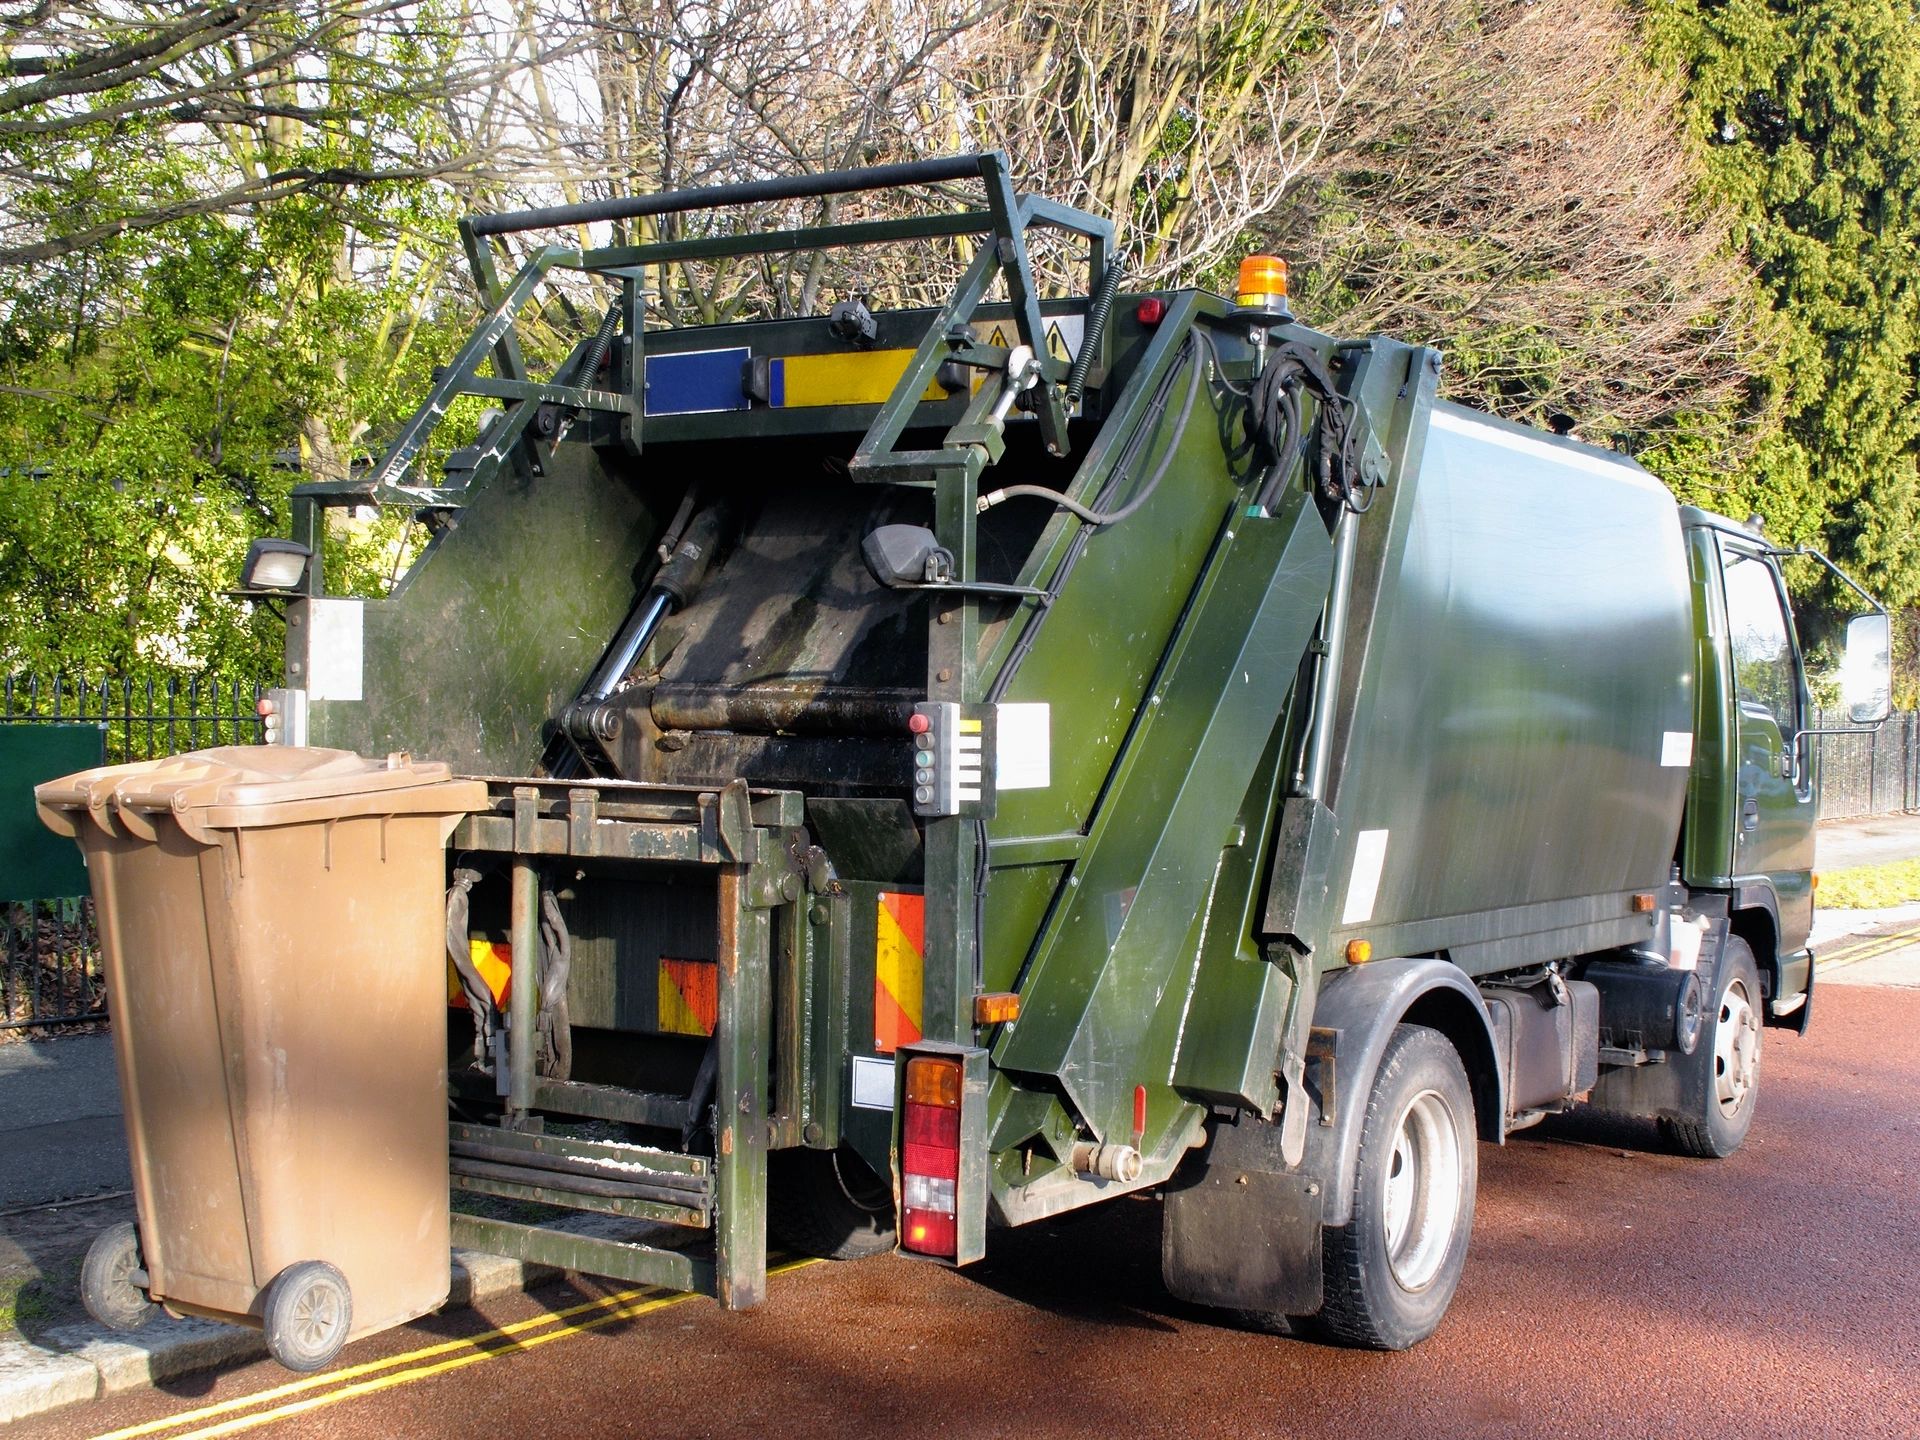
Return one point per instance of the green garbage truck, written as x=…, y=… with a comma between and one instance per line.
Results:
x=949, y=766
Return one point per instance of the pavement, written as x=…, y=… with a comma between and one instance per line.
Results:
x=1875, y=840
x=64, y=1175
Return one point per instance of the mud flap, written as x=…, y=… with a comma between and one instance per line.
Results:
x=1239, y=1230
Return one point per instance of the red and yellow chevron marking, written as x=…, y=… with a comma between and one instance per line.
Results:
x=494, y=960
x=899, y=949
x=689, y=996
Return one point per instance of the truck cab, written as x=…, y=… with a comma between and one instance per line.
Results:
x=1753, y=798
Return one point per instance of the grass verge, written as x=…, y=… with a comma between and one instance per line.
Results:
x=1870, y=887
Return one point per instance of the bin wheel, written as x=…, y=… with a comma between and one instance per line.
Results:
x=308, y=1313
x=106, y=1279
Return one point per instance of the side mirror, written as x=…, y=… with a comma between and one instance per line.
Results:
x=1866, y=670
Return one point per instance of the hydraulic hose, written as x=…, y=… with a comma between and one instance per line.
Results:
x=1275, y=420
x=1098, y=518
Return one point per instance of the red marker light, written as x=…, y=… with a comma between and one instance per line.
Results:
x=1151, y=311
x=918, y=723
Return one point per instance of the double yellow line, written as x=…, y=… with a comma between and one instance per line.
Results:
x=248, y=1412
x=1872, y=947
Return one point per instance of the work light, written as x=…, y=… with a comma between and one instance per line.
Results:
x=275, y=566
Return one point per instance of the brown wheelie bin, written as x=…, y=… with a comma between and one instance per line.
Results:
x=272, y=920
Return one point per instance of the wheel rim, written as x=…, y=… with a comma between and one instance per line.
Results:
x=1424, y=1176
x=1736, y=1048
x=316, y=1317
x=126, y=1260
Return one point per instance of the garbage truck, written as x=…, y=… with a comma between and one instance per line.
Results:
x=939, y=768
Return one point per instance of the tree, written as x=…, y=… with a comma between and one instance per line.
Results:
x=1512, y=185
x=1809, y=115
x=224, y=260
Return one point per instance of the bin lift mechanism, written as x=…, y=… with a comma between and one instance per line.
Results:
x=754, y=837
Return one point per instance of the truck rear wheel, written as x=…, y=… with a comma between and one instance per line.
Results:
x=1391, y=1271
x=1732, y=1058
x=828, y=1203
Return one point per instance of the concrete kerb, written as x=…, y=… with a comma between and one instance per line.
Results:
x=72, y=1363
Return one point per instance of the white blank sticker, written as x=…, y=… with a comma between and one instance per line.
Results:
x=872, y=1083
x=1676, y=748
x=334, y=653
x=1022, y=752
x=1369, y=859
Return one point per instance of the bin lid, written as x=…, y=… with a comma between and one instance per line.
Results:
x=240, y=785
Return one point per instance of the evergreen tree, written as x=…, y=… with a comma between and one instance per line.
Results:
x=1810, y=117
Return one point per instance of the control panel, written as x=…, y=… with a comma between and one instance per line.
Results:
x=952, y=747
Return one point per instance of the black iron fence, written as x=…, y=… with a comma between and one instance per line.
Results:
x=50, y=971
x=1869, y=774
x=144, y=718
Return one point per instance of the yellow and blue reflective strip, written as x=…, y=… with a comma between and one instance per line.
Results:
x=708, y=382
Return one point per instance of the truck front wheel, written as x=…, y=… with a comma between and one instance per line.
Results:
x=1727, y=1092
x=1391, y=1271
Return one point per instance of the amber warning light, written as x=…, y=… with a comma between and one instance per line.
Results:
x=1263, y=284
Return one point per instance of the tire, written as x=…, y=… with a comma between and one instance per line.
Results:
x=1391, y=1271
x=308, y=1313
x=828, y=1203
x=1729, y=1088
x=106, y=1280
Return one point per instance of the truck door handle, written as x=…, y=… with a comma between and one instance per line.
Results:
x=1749, y=814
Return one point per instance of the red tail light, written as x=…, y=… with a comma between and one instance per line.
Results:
x=930, y=1156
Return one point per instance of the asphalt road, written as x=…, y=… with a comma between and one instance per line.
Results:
x=60, y=1128
x=1610, y=1291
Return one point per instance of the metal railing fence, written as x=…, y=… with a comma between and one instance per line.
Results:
x=1869, y=774
x=50, y=972
x=50, y=964
x=144, y=718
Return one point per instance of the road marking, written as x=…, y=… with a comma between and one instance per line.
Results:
x=471, y=1350
x=1871, y=947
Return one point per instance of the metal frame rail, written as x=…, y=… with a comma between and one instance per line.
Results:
x=742, y=834
x=514, y=439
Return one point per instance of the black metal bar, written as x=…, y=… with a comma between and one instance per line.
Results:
x=565, y=1182
x=749, y=192
x=610, y=1167
x=774, y=242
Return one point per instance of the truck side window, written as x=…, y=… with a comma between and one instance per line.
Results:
x=1763, y=669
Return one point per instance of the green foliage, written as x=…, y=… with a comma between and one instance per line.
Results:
x=1809, y=117
x=163, y=388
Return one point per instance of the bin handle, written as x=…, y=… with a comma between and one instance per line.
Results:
x=134, y=821
x=60, y=821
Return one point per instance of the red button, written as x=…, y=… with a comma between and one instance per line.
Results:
x=918, y=724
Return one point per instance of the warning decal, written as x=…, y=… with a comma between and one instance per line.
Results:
x=899, y=947
x=494, y=960
x=689, y=996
